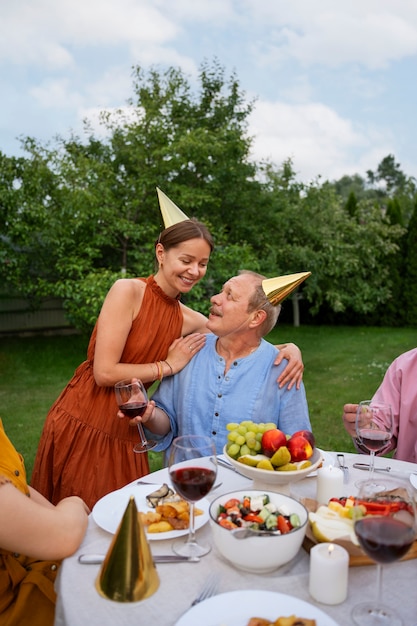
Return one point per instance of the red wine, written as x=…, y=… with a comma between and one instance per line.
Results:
x=133, y=409
x=193, y=483
x=384, y=539
x=374, y=439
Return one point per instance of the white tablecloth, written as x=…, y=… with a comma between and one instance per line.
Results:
x=79, y=603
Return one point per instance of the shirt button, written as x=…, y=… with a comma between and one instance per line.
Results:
x=219, y=395
x=216, y=414
x=16, y=473
x=235, y=363
x=213, y=432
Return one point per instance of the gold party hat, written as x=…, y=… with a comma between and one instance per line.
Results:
x=277, y=289
x=171, y=214
x=128, y=572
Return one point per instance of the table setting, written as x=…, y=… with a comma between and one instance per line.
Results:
x=319, y=582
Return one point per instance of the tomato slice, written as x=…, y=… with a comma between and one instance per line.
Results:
x=283, y=524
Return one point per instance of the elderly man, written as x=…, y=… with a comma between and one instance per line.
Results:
x=233, y=377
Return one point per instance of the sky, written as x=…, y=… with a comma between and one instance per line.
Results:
x=334, y=83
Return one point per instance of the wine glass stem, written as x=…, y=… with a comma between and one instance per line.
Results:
x=191, y=531
x=371, y=462
x=378, y=584
x=142, y=435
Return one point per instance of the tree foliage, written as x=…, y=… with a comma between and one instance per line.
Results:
x=80, y=212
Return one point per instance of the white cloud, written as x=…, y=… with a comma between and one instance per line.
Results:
x=316, y=138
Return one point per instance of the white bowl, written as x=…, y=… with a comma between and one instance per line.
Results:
x=259, y=554
x=275, y=480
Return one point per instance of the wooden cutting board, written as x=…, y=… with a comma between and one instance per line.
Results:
x=356, y=554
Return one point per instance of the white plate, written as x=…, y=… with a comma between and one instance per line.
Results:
x=108, y=511
x=413, y=480
x=328, y=459
x=237, y=607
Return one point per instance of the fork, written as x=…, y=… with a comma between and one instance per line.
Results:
x=343, y=467
x=209, y=589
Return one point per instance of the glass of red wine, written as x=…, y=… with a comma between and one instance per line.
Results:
x=192, y=470
x=385, y=525
x=132, y=400
x=374, y=425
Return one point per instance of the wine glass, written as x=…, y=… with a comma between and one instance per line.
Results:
x=374, y=427
x=385, y=533
x=132, y=400
x=192, y=470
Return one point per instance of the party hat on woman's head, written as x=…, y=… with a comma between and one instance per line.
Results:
x=171, y=214
x=277, y=289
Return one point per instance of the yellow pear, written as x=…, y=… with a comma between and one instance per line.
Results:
x=288, y=467
x=281, y=456
x=252, y=459
x=265, y=464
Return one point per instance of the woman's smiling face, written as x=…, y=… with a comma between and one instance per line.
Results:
x=183, y=266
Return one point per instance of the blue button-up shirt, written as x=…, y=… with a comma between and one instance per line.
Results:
x=202, y=399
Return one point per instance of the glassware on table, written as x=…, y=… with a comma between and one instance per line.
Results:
x=132, y=400
x=374, y=424
x=192, y=470
x=385, y=534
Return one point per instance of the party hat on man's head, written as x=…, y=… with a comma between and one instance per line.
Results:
x=277, y=289
x=171, y=214
x=128, y=572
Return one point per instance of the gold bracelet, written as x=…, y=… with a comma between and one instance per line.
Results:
x=170, y=368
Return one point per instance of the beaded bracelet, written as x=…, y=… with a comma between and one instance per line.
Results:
x=170, y=368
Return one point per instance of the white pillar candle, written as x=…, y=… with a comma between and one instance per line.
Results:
x=329, y=573
x=329, y=483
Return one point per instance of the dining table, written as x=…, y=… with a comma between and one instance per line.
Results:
x=80, y=604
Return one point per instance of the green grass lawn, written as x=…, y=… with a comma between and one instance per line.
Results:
x=342, y=364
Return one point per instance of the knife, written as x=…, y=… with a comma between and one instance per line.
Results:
x=365, y=466
x=97, y=559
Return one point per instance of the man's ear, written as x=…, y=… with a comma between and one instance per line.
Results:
x=258, y=318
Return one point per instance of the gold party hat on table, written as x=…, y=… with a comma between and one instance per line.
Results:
x=171, y=214
x=128, y=572
x=277, y=289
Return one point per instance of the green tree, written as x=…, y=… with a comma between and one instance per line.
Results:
x=410, y=272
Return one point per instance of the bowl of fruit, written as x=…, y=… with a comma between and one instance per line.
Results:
x=257, y=531
x=270, y=457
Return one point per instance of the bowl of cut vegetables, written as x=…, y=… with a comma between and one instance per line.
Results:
x=258, y=531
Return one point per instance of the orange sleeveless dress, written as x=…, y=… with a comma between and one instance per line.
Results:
x=27, y=596
x=85, y=449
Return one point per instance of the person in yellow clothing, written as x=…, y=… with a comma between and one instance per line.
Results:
x=34, y=537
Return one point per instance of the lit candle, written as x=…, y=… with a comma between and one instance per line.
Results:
x=329, y=483
x=329, y=572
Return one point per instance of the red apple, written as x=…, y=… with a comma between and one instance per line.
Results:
x=308, y=435
x=300, y=448
x=272, y=440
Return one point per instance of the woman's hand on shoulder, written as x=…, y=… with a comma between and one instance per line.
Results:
x=293, y=372
x=182, y=350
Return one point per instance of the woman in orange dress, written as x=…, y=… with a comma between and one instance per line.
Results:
x=143, y=331
x=34, y=537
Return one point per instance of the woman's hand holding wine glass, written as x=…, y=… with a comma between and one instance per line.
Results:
x=192, y=470
x=385, y=525
x=132, y=400
x=374, y=425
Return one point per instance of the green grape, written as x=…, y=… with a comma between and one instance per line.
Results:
x=232, y=436
x=244, y=450
x=240, y=440
x=233, y=450
x=270, y=426
x=259, y=436
x=250, y=435
x=251, y=443
x=232, y=426
x=242, y=430
x=258, y=446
